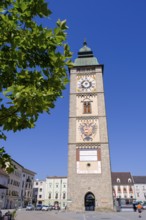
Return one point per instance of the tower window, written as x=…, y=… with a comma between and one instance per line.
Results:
x=87, y=107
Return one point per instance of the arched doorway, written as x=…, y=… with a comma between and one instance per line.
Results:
x=56, y=205
x=89, y=202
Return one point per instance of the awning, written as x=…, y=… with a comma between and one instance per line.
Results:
x=3, y=187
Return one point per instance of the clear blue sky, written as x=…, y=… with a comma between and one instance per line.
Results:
x=116, y=32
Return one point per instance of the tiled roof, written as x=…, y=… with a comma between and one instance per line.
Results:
x=28, y=171
x=139, y=179
x=123, y=177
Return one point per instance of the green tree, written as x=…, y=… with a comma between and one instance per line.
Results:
x=33, y=65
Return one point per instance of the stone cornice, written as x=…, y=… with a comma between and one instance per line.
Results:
x=85, y=93
x=88, y=117
x=82, y=143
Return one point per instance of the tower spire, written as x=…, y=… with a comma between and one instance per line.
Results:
x=85, y=56
x=85, y=42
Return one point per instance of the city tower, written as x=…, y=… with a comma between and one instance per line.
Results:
x=89, y=171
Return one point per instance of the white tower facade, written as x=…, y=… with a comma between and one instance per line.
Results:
x=89, y=171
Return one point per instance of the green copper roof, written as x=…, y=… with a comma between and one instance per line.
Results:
x=85, y=57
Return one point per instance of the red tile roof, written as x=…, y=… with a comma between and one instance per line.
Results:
x=123, y=177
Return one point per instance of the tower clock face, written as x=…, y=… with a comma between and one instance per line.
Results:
x=86, y=84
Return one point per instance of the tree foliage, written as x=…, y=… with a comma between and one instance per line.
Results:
x=33, y=64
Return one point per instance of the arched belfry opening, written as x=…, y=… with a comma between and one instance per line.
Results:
x=89, y=202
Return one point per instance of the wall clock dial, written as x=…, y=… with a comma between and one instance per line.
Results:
x=86, y=84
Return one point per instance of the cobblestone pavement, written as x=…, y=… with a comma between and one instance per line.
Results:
x=65, y=215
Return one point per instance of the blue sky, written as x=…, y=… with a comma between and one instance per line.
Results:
x=116, y=33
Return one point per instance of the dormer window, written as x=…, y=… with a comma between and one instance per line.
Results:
x=118, y=180
x=129, y=180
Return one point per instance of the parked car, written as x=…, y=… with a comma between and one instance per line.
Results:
x=46, y=207
x=29, y=207
x=50, y=207
x=38, y=207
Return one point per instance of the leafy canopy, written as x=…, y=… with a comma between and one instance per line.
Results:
x=33, y=65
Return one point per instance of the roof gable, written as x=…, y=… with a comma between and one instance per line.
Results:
x=122, y=178
x=139, y=179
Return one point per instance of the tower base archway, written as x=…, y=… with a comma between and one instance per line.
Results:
x=89, y=202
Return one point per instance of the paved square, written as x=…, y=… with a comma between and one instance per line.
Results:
x=65, y=215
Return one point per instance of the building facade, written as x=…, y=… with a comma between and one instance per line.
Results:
x=123, y=187
x=14, y=186
x=39, y=189
x=89, y=171
x=3, y=188
x=19, y=187
x=52, y=191
x=26, y=188
x=126, y=190
x=140, y=187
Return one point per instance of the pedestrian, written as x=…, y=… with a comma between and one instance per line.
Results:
x=134, y=207
x=139, y=208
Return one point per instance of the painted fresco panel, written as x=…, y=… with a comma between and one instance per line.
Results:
x=87, y=130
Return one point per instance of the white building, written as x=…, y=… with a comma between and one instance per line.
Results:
x=14, y=186
x=3, y=188
x=39, y=188
x=56, y=191
x=52, y=191
x=20, y=187
x=123, y=186
x=140, y=187
x=26, y=189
